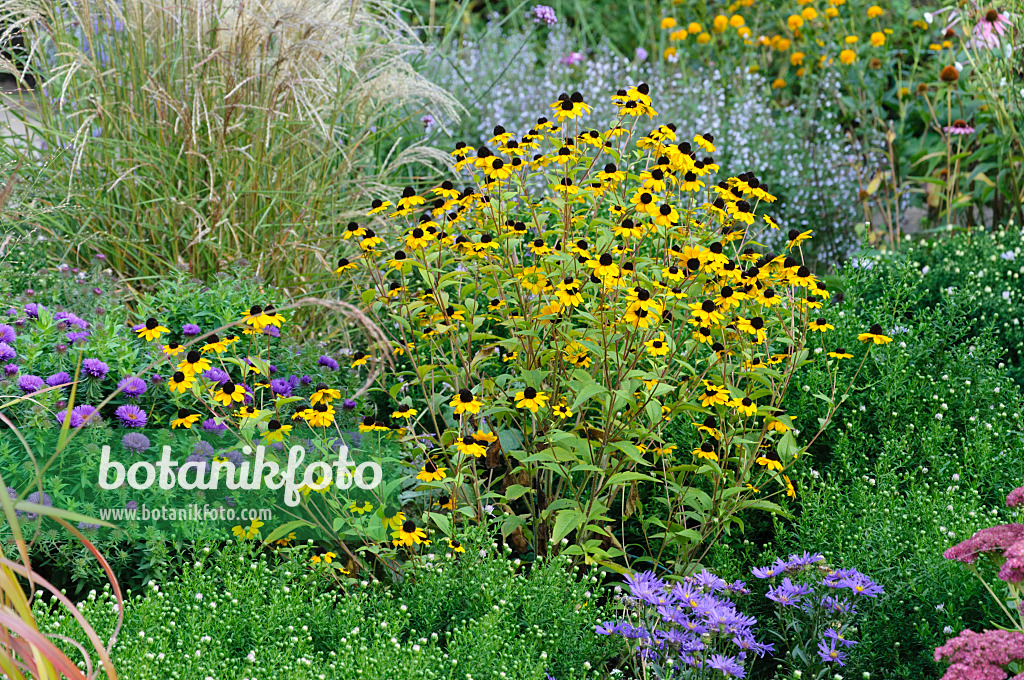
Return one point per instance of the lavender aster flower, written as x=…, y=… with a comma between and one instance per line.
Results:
x=95, y=369
x=7, y=352
x=30, y=383
x=327, y=361
x=829, y=654
x=77, y=336
x=80, y=415
x=60, y=378
x=305, y=380
x=12, y=493
x=647, y=587
x=32, y=309
x=641, y=54
x=132, y=387
x=232, y=456
x=770, y=572
x=348, y=404
x=136, y=442
x=788, y=594
x=190, y=329
x=131, y=505
x=88, y=526
x=131, y=415
x=7, y=334
x=10, y=369
x=216, y=375
x=729, y=666
x=157, y=378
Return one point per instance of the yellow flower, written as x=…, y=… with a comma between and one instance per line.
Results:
x=320, y=415
x=465, y=401
x=795, y=21
x=409, y=534
x=720, y=23
x=180, y=382
x=875, y=11
x=431, y=473
x=746, y=406
x=809, y=14
x=821, y=325
x=851, y=40
x=173, y=349
x=875, y=335
x=562, y=410
x=706, y=451
x=657, y=347
x=878, y=39
x=185, y=419
x=326, y=558
x=770, y=463
x=229, y=392
x=470, y=446
x=531, y=399
x=797, y=58
x=193, y=363
x=694, y=28
x=704, y=38
x=667, y=23
x=152, y=330
x=778, y=84
x=847, y=57
x=455, y=546
x=840, y=353
x=713, y=394
x=404, y=412
x=360, y=508
x=325, y=394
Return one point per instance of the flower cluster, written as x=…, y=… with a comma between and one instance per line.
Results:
x=816, y=605
x=691, y=625
x=561, y=331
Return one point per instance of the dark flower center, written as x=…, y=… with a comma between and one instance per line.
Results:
x=151, y=324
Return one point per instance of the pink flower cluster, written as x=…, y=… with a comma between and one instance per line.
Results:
x=981, y=656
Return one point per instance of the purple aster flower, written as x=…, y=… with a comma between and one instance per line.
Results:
x=7, y=352
x=71, y=319
x=7, y=334
x=216, y=375
x=836, y=605
x=131, y=505
x=281, y=387
x=833, y=634
x=77, y=336
x=272, y=331
x=631, y=632
x=798, y=562
x=305, y=380
x=11, y=369
x=132, y=387
x=30, y=383
x=59, y=378
x=729, y=666
x=136, y=442
x=747, y=643
x=157, y=378
x=95, y=369
x=32, y=309
x=131, y=415
x=788, y=593
x=348, y=404
x=87, y=526
x=34, y=497
x=606, y=628
x=829, y=654
x=327, y=361
x=646, y=586
x=61, y=348
x=12, y=493
x=190, y=329
x=641, y=54
x=738, y=588
x=211, y=425
x=293, y=380
x=230, y=500
x=12, y=312
x=861, y=585
x=705, y=579
x=772, y=571
x=80, y=415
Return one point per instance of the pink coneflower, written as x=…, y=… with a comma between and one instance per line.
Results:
x=992, y=26
x=959, y=127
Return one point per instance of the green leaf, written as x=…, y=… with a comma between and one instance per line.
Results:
x=515, y=491
x=442, y=522
x=566, y=522
x=626, y=477
x=287, y=528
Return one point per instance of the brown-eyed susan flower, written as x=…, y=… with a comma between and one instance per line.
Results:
x=657, y=347
x=392, y=518
x=840, y=353
x=769, y=460
x=802, y=277
x=640, y=315
x=173, y=349
x=875, y=335
x=539, y=247
x=755, y=327
x=360, y=508
x=746, y=406
x=370, y=424
x=455, y=546
x=627, y=228
x=152, y=330
x=359, y=359
x=370, y=241
x=706, y=451
x=790, y=489
x=604, y=267
x=213, y=343
x=409, y=534
x=533, y=279
x=531, y=399
x=570, y=106
x=354, y=230
x=247, y=412
x=709, y=427
x=706, y=313
x=321, y=415
x=344, y=264
x=470, y=446
x=275, y=432
x=418, y=239
x=714, y=394
x=562, y=410
x=325, y=394
x=465, y=401
x=430, y=472
x=229, y=392
x=286, y=540
x=611, y=174
x=181, y=382
x=409, y=200
x=404, y=411
x=253, y=318
x=821, y=325
x=185, y=419
x=796, y=237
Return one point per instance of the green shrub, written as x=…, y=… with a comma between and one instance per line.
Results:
x=920, y=456
x=235, y=613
